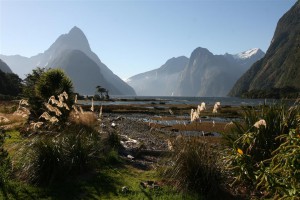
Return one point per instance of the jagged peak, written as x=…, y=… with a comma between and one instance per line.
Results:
x=200, y=51
x=76, y=31
x=249, y=53
x=74, y=39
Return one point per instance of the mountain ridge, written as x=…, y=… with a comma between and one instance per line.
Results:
x=154, y=82
x=279, y=68
x=75, y=39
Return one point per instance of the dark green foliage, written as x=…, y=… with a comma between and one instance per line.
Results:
x=41, y=84
x=273, y=93
x=10, y=84
x=29, y=91
x=53, y=82
x=5, y=166
x=268, y=157
x=196, y=168
x=75, y=150
x=280, y=66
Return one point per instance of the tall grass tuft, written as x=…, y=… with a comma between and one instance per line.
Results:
x=195, y=167
x=69, y=153
x=5, y=166
x=263, y=150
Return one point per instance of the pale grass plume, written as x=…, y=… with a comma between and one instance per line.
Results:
x=53, y=109
x=228, y=124
x=259, y=123
x=100, y=112
x=75, y=101
x=75, y=109
x=53, y=120
x=23, y=102
x=194, y=115
x=92, y=107
x=217, y=107
x=4, y=119
x=36, y=125
x=201, y=107
x=170, y=146
x=81, y=110
x=53, y=100
x=192, y=112
x=46, y=116
x=22, y=111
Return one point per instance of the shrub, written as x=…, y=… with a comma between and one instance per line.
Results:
x=5, y=166
x=260, y=156
x=195, y=167
x=42, y=84
x=73, y=151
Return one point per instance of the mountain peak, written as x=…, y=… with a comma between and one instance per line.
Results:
x=75, y=39
x=76, y=31
x=249, y=53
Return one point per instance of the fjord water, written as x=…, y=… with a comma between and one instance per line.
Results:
x=230, y=101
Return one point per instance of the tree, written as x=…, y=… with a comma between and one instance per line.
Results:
x=102, y=90
x=10, y=84
x=43, y=83
x=52, y=83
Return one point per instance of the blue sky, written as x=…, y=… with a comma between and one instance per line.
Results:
x=132, y=36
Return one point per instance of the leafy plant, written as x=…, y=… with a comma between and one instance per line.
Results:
x=195, y=167
x=71, y=152
x=260, y=154
x=43, y=84
x=5, y=166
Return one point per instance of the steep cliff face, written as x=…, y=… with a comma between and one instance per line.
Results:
x=204, y=74
x=68, y=52
x=280, y=67
x=207, y=75
x=159, y=82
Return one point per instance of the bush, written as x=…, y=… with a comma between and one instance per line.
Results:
x=266, y=157
x=5, y=166
x=73, y=151
x=42, y=84
x=195, y=167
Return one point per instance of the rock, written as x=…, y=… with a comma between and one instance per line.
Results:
x=130, y=157
x=125, y=190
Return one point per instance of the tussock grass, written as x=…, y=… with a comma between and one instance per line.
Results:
x=196, y=167
x=84, y=118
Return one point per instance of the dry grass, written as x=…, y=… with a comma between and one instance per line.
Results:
x=85, y=118
x=12, y=118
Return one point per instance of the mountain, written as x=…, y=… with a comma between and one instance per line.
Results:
x=280, y=67
x=203, y=74
x=207, y=75
x=214, y=75
x=246, y=58
x=72, y=53
x=4, y=67
x=161, y=81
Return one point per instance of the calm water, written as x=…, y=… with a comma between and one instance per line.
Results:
x=232, y=101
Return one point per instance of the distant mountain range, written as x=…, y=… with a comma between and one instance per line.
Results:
x=161, y=81
x=203, y=74
x=4, y=67
x=72, y=53
x=280, y=67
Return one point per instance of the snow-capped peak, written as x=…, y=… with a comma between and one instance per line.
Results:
x=246, y=54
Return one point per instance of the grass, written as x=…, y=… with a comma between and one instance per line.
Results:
x=105, y=182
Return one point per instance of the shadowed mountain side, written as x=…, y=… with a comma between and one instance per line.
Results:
x=207, y=75
x=280, y=67
x=74, y=40
x=159, y=82
x=4, y=67
x=83, y=71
